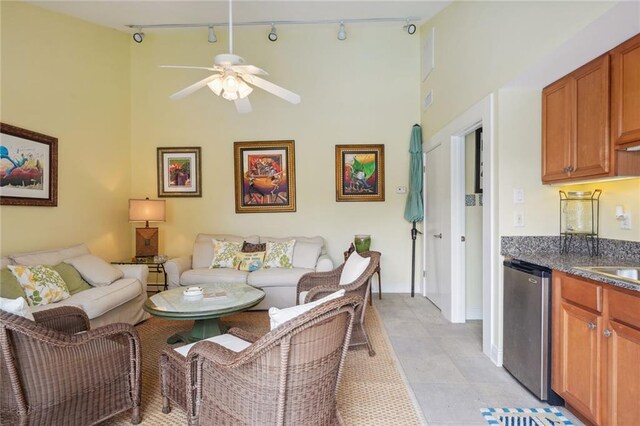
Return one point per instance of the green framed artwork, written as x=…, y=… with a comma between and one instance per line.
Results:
x=359, y=172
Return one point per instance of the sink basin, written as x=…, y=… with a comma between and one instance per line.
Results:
x=627, y=273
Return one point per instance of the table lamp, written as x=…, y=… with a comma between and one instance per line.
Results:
x=146, y=211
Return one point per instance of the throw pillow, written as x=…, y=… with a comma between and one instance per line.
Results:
x=9, y=286
x=41, y=284
x=280, y=316
x=252, y=248
x=95, y=270
x=279, y=254
x=353, y=268
x=17, y=306
x=249, y=261
x=224, y=253
x=71, y=277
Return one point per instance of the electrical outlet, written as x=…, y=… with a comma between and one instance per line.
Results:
x=518, y=219
x=626, y=222
x=401, y=189
x=518, y=196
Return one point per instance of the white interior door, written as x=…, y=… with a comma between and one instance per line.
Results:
x=436, y=187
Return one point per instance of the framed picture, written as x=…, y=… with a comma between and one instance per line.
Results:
x=265, y=177
x=359, y=172
x=28, y=168
x=479, y=162
x=179, y=172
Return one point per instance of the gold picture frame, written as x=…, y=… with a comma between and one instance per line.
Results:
x=265, y=176
x=359, y=172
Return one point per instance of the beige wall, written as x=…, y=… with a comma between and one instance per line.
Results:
x=364, y=90
x=69, y=79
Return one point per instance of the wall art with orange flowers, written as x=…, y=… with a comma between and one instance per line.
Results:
x=179, y=172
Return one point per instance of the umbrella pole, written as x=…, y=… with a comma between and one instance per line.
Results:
x=414, y=234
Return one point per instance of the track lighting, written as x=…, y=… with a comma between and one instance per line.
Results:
x=272, y=35
x=139, y=36
x=212, y=35
x=409, y=28
x=342, y=34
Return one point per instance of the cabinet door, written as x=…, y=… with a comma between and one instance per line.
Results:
x=625, y=93
x=590, y=146
x=579, y=352
x=557, y=129
x=623, y=346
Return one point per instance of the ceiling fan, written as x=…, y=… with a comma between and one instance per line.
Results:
x=232, y=78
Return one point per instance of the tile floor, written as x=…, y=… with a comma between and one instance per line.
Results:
x=444, y=364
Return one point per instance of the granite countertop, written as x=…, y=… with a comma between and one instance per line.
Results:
x=568, y=263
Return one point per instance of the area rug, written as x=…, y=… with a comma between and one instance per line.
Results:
x=372, y=391
x=525, y=417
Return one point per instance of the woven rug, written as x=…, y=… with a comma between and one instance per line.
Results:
x=372, y=391
x=525, y=417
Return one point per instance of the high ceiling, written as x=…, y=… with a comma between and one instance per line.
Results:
x=118, y=14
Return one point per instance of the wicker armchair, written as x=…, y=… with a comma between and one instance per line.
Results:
x=319, y=284
x=51, y=375
x=289, y=376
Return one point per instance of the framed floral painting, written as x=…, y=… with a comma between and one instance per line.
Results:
x=179, y=172
x=265, y=176
x=28, y=168
x=359, y=172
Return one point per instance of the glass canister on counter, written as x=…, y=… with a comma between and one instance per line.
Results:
x=579, y=217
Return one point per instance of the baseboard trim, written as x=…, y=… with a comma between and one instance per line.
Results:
x=496, y=355
x=474, y=313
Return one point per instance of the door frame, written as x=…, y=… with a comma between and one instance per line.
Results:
x=480, y=115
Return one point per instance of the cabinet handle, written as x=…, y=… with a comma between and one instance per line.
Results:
x=565, y=170
x=592, y=325
x=437, y=235
x=571, y=169
x=607, y=332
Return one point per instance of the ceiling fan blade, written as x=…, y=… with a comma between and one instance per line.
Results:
x=195, y=86
x=188, y=67
x=274, y=89
x=249, y=69
x=243, y=105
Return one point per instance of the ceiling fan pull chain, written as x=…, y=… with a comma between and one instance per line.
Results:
x=230, y=28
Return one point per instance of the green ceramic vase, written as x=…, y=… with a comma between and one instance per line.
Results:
x=362, y=243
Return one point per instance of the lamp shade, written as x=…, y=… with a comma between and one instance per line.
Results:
x=146, y=210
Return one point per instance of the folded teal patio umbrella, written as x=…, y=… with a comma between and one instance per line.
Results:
x=414, y=209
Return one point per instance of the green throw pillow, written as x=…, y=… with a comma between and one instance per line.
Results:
x=71, y=278
x=10, y=288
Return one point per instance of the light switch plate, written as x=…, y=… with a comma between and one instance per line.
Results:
x=518, y=219
x=401, y=189
x=518, y=196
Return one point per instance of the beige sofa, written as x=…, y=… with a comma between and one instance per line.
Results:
x=279, y=284
x=120, y=301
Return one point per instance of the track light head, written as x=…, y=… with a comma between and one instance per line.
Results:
x=138, y=36
x=410, y=28
x=273, y=36
x=212, y=35
x=342, y=34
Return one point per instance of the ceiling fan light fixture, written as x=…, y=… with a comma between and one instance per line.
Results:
x=216, y=86
x=273, y=36
x=230, y=96
x=212, y=35
x=244, y=90
x=342, y=33
x=230, y=83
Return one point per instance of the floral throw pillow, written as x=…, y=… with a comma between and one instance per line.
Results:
x=279, y=254
x=249, y=261
x=41, y=284
x=224, y=253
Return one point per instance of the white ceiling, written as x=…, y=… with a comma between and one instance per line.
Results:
x=118, y=14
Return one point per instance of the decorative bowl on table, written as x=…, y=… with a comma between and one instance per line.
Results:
x=193, y=293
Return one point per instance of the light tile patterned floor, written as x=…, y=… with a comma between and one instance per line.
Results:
x=444, y=364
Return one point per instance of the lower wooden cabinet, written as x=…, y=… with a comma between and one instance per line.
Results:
x=596, y=350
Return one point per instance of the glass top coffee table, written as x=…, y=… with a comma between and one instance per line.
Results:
x=217, y=300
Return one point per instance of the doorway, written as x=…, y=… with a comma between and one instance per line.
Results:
x=473, y=224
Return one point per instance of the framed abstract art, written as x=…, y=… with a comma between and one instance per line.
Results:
x=359, y=172
x=179, y=172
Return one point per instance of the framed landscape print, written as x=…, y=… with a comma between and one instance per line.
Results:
x=179, y=172
x=28, y=168
x=359, y=172
x=265, y=177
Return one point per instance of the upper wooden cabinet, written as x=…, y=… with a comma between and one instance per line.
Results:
x=625, y=93
x=590, y=116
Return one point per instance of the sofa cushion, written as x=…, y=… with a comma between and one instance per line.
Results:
x=203, y=247
x=96, y=271
x=279, y=254
x=41, y=284
x=4, y=262
x=71, y=278
x=249, y=262
x=305, y=254
x=207, y=275
x=49, y=257
x=312, y=240
x=17, y=306
x=252, y=248
x=99, y=300
x=224, y=253
x=353, y=268
x=10, y=288
x=276, y=277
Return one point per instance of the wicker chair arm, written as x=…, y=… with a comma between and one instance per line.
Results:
x=213, y=352
x=244, y=335
x=313, y=279
x=68, y=319
x=321, y=291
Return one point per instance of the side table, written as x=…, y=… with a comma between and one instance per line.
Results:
x=156, y=267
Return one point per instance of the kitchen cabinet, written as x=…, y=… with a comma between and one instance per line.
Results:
x=625, y=93
x=575, y=124
x=596, y=349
